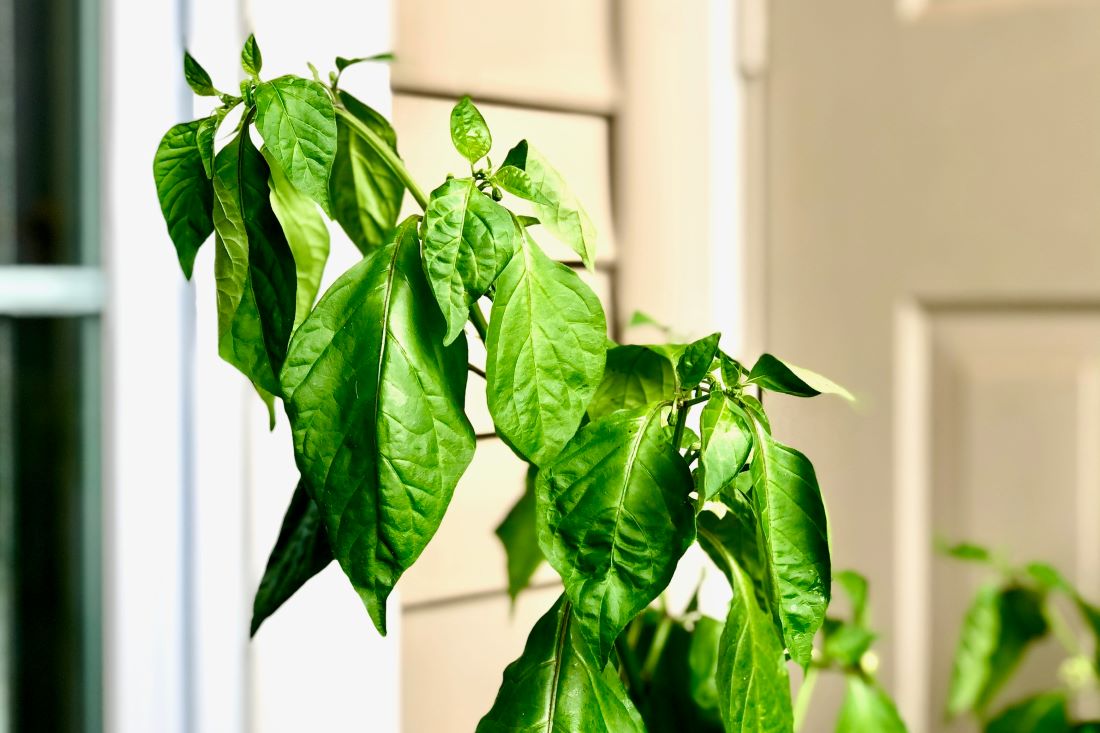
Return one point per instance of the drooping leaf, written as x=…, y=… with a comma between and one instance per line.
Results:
x=792, y=515
x=614, y=518
x=555, y=205
x=635, y=377
x=300, y=552
x=297, y=122
x=469, y=133
x=558, y=686
x=253, y=267
x=251, y=59
x=468, y=240
x=726, y=440
x=695, y=361
x=521, y=543
x=197, y=78
x=753, y=686
x=365, y=192
x=376, y=408
x=184, y=190
x=1043, y=713
x=703, y=662
x=546, y=351
x=867, y=708
x=777, y=375
x=306, y=234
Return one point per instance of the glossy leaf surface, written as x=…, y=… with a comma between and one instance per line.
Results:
x=469, y=133
x=251, y=58
x=695, y=361
x=521, y=543
x=375, y=405
x=184, y=190
x=776, y=375
x=197, y=78
x=635, y=376
x=867, y=708
x=546, y=351
x=726, y=442
x=614, y=518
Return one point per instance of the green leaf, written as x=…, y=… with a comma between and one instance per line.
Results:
x=557, y=686
x=695, y=361
x=726, y=441
x=1043, y=713
x=846, y=644
x=867, y=708
x=968, y=551
x=703, y=662
x=300, y=552
x=375, y=405
x=640, y=318
x=778, y=376
x=792, y=515
x=521, y=543
x=731, y=370
x=197, y=78
x=204, y=140
x=343, y=63
x=753, y=687
x=469, y=132
x=635, y=376
x=183, y=187
x=251, y=59
x=545, y=353
x=297, y=122
x=855, y=585
x=555, y=205
x=516, y=181
x=468, y=240
x=365, y=192
x=614, y=518
x=665, y=699
x=306, y=233
x=253, y=267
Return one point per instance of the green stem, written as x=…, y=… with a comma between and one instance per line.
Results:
x=1062, y=631
x=478, y=319
x=802, y=702
x=696, y=400
x=629, y=665
x=660, y=638
x=681, y=423
x=388, y=154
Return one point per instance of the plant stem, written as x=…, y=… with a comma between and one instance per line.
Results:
x=386, y=153
x=660, y=638
x=1062, y=631
x=696, y=400
x=802, y=702
x=476, y=370
x=681, y=423
x=478, y=319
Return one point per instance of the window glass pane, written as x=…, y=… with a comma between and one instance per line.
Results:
x=49, y=511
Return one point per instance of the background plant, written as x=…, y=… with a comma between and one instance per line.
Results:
x=372, y=378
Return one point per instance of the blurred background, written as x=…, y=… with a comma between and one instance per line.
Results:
x=901, y=194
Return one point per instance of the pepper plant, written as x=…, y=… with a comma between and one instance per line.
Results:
x=372, y=377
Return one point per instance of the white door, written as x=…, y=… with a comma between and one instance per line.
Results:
x=931, y=218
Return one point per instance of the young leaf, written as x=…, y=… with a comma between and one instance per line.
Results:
x=197, y=78
x=468, y=239
x=614, y=518
x=969, y=551
x=469, y=133
x=365, y=192
x=375, y=405
x=183, y=187
x=296, y=120
x=546, y=350
x=555, y=205
x=791, y=512
x=204, y=140
x=521, y=543
x=695, y=361
x=300, y=552
x=635, y=376
x=726, y=441
x=251, y=59
x=306, y=233
x=778, y=376
x=558, y=686
x=867, y=708
x=731, y=370
x=253, y=267
x=1043, y=713
x=753, y=687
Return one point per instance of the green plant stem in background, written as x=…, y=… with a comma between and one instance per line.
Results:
x=805, y=695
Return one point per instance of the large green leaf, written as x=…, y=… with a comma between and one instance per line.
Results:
x=300, y=552
x=776, y=375
x=296, y=120
x=1044, y=713
x=726, y=440
x=558, y=686
x=253, y=267
x=375, y=404
x=635, y=376
x=521, y=543
x=753, y=686
x=867, y=708
x=792, y=514
x=183, y=187
x=306, y=233
x=555, y=205
x=365, y=192
x=546, y=347
x=468, y=239
x=614, y=518
x=469, y=133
